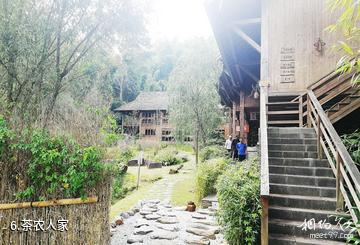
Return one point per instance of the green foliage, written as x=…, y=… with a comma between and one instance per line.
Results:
x=207, y=174
x=58, y=166
x=5, y=135
x=349, y=224
x=168, y=156
x=348, y=25
x=352, y=144
x=239, y=203
x=211, y=151
x=123, y=184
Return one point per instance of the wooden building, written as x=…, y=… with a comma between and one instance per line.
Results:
x=279, y=63
x=147, y=117
x=282, y=42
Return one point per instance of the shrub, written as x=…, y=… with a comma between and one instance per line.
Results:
x=212, y=151
x=123, y=183
x=207, y=175
x=168, y=156
x=352, y=143
x=239, y=203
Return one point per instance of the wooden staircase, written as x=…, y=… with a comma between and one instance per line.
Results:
x=306, y=171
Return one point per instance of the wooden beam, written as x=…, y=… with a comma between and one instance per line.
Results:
x=247, y=39
x=247, y=21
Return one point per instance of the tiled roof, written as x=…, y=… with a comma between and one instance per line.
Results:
x=147, y=101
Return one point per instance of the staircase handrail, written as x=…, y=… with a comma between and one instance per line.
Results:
x=264, y=167
x=329, y=142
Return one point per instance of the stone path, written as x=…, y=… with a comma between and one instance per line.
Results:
x=162, y=189
x=156, y=222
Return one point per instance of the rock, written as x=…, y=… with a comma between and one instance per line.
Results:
x=183, y=208
x=167, y=214
x=125, y=215
x=140, y=223
x=173, y=171
x=135, y=239
x=204, y=233
x=168, y=220
x=131, y=213
x=154, y=201
x=152, y=217
x=168, y=227
x=198, y=241
x=198, y=216
x=112, y=225
x=206, y=212
x=145, y=212
x=136, y=209
x=215, y=229
x=119, y=221
x=151, y=207
x=162, y=235
x=205, y=222
x=143, y=230
x=154, y=165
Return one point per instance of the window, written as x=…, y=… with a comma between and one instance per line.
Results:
x=166, y=132
x=150, y=132
x=147, y=114
x=254, y=116
x=147, y=121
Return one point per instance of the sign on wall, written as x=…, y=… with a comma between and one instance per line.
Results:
x=287, y=65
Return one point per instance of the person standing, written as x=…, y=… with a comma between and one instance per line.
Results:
x=242, y=150
x=228, y=145
x=233, y=147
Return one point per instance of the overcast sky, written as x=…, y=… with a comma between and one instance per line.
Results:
x=181, y=19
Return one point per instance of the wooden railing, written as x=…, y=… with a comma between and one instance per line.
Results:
x=264, y=171
x=329, y=143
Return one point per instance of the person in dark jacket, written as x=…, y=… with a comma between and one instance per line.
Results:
x=233, y=147
x=242, y=150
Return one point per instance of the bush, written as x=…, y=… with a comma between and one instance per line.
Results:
x=212, y=151
x=352, y=143
x=123, y=183
x=239, y=203
x=168, y=156
x=207, y=175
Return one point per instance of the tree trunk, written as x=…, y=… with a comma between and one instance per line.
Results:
x=197, y=147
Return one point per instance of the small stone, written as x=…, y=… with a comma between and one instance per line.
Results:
x=183, y=208
x=135, y=239
x=140, y=223
x=205, y=222
x=152, y=217
x=112, y=225
x=125, y=215
x=167, y=214
x=168, y=220
x=131, y=213
x=163, y=236
x=136, y=209
x=143, y=230
x=198, y=241
x=168, y=227
x=215, y=229
x=206, y=212
x=119, y=221
x=204, y=233
x=198, y=216
x=148, y=209
x=145, y=212
x=155, y=201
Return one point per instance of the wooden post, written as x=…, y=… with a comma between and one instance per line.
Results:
x=264, y=221
x=139, y=167
x=319, y=135
x=233, y=120
x=339, y=179
x=301, y=123
x=308, y=121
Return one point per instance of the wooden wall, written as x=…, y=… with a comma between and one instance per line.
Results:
x=289, y=59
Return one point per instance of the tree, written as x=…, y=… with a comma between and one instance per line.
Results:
x=194, y=105
x=348, y=25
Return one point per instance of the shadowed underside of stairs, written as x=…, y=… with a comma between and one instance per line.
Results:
x=301, y=188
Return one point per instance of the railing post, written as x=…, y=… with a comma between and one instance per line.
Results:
x=319, y=136
x=308, y=121
x=301, y=123
x=339, y=179
x=264, y=221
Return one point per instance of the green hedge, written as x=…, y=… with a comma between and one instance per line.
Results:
x=207, y=175
x=211, y=151
x=239, y=203
x=169, y=156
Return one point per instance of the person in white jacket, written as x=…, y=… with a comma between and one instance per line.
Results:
x=228, y=145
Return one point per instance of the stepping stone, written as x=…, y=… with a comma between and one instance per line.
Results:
x=168, y=220
x=216, y=229
x=168, y=227
x=125, y=215
x=206, y=212
x=131, y=213
x=149, y=209
x=152, y=217
x=167, y=214
x=205, y=222
x=198, y=216
x=155, y=201
x=145, y=212
x=143, y=230
x=135, y=239
x=204, y=233
x=197, y=241
x=140, y=223
x=180, y=208
x=162, y=235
